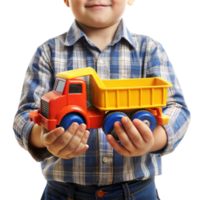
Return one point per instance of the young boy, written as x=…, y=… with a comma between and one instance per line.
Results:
x=86, y=164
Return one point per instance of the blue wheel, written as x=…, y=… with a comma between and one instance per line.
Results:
x=69, y=119
x=108, y=124
x=146, y=117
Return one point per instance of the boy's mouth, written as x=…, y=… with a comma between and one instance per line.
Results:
x=97, y=6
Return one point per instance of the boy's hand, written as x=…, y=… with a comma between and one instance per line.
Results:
x=66, y=144
x=137, y=140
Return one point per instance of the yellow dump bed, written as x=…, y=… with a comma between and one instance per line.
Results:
x=123, y=94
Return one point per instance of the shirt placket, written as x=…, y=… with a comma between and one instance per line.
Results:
x=105, y=160
x=105, y=150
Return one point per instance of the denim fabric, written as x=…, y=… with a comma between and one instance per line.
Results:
x=132, y=190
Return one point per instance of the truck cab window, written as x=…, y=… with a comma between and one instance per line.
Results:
x=60, y=86
x=75, y=88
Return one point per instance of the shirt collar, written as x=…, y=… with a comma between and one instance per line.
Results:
x=75, y=33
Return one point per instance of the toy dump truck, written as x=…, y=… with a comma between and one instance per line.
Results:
x=67, y=103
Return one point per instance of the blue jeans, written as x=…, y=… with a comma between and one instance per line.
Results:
x=132, y=190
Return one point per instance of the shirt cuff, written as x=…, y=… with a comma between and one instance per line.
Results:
x=170, y=143
x=39, y=154
x=159, y=151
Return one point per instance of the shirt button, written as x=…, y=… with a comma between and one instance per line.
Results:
x=100, y=61
x=105, y=159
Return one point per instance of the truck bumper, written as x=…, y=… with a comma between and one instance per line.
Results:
x=34, y=117
x=37, y=118
x=161, y=118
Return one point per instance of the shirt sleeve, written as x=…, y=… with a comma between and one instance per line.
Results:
x=38, y=81
x=176, y=108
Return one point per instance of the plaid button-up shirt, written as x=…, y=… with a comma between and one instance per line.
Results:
x=128, y=56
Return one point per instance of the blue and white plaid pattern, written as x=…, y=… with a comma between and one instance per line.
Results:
x=128, y=56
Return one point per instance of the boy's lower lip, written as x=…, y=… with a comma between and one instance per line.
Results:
x=97, y=7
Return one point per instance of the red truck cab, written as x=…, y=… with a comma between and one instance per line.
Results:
x=67, y=96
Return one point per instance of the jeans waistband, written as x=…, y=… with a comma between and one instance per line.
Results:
x=76, y=191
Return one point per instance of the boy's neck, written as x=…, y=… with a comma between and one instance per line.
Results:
x=101, y=37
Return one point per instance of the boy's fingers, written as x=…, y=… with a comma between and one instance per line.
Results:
x=134, y=136
x=116, y=146
x=144, y=130
x=82, y=147
x=76, y=139
x=50, y=137
x=82, y=144
x=63, y=140
x=123, y=136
